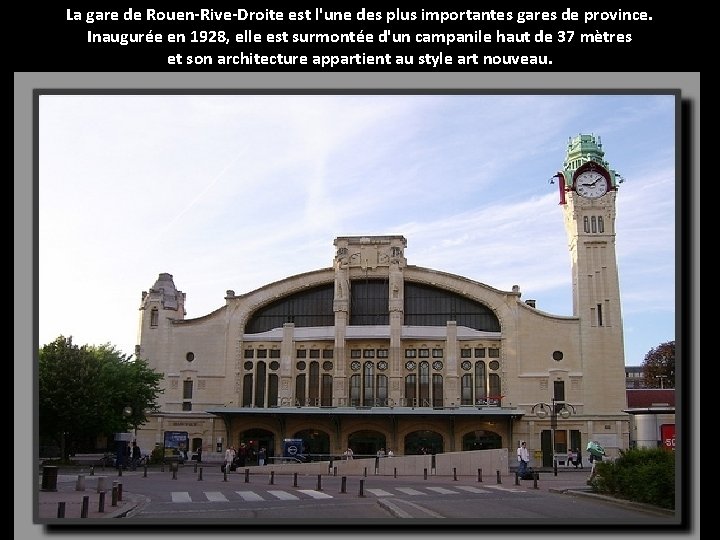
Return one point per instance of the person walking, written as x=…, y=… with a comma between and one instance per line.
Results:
x=229, y=458
x=199, y=453
x=262, y=454
x=348, y=453
x=523, y=457
x=135, y=455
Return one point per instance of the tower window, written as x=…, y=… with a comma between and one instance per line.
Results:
x=154, y=317
x=599, y=315
x=187, y=389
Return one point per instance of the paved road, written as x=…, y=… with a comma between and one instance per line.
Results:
x=188, y=496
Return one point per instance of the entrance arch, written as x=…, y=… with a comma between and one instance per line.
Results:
x=481, y=439
x=366, y=443
x=423, y=442
x=255, y=439
x=315, y=442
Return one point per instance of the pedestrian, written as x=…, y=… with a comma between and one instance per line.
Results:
x=578, y=459
x=390, y=453
x=242, y=455
x=570, y=458
x=523, y=457
x=135, y=455
x=229, y=458
x=199, y=453
x=381, y=453
x=348, y=453
x=262, y=454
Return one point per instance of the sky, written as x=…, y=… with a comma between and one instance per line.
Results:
x=237, y=191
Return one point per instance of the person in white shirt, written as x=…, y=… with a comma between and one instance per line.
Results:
x=523, y=457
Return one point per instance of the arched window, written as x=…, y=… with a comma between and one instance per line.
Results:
x=368, y=386
x=154, y=316
x=466, y=397
x=410, y=390
x=480, y=388
x=300, y=389
x=314, y=384
x=424, y=390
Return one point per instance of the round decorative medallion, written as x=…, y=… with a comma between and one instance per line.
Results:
x=382, y=365
x=300, y=365
x=437, y=365
x=466, y=365
x=494, y=364
x=355, y=366
x=410, y=365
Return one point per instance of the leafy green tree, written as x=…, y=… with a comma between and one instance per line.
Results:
x=659, y=366
x=86, y=392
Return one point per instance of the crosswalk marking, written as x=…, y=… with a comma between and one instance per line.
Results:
x=472, y=489
x=315, y=494
x=410, y=491
x=249, y=496
x=379, y=492
x=215, y=496
x=284, y=495
x=441, y=490
x=180, y=496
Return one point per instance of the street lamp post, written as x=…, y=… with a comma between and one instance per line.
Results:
x=542, y=412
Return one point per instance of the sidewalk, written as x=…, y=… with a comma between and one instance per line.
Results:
x=49, y=502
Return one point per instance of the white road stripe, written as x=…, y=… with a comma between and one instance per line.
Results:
x=379, y=492
x=180, y=496
x=250, y=496
x=283, y=495
x=410, y=491
x=315, y=494
x=441, y=490
x=215, y=496
x=472, y=489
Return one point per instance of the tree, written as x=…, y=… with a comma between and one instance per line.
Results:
x=659, y=366
x=87, y=392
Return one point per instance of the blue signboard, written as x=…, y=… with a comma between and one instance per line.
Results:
x=176, y=444
x=292, y=447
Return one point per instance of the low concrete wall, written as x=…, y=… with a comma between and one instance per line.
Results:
x=463, y=463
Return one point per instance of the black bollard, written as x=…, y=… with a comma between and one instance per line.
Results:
x=120, y=471
x=195, y=467
x=61, y=509
x=425, y=473
x=272, y=477
x=362, y=493
x=294, y=479
x=365, y=472
x=395, y=472
x=517, y=479
x=535, y=479
x=101, y=502
x=247, y=475
x=174, y=471
x=84, y=507
x=343, y=484
x=479, y=475
x=225, y=474
x=334, y=471
x=499, y=480
x=145, y=471
x=119, y=486
x=114, y=495
x=455, y=474
x=319, y=482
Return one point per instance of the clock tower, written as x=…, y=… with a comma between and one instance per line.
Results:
x=588, y=193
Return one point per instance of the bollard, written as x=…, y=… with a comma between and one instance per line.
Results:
x=101, y=502
x=80, y=483
x=535, y=479
x=102, y=483
x=395, y=472
x=334, y=471
x=61, y=509
x=247, y=475
x=499, y=481
x=162, y=466
x=479, y=475
x=361, y=494
x=272, y=477
x=517, y=479
x=294, y=479
x=200, y=474
x=365, y=472
x=343, y=484
x=377, y=464
x=225, y=474
x=174, y=471
x=119, y=486
x=49, y=478
x=92, y=470
x=319, y=482
x=455, y=474
x=114, y=495
x=119, y=471
x=195, y=467
x=425, y=473
x=145, y=470
x=84, y=507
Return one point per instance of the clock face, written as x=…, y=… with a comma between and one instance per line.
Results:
x=591, y=184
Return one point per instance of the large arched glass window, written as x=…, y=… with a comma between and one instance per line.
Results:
x=368, y=386
x=260, y=384
x=355, y=390
x=424, y=390
x=411, y=390
x=466, y=390
x=437, y=390
x=480, y=380
x=314, y=384
x=300, y=389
